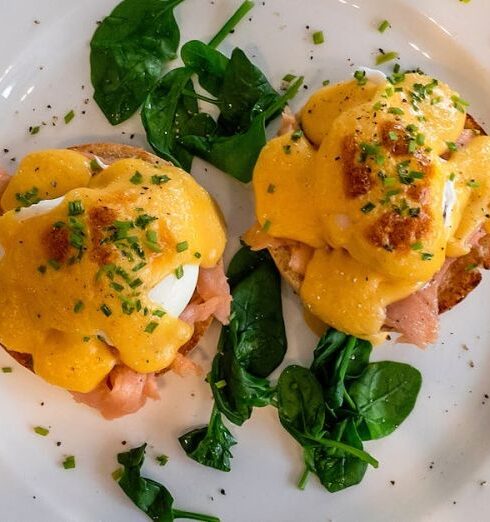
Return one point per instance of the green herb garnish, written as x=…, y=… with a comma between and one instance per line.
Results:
x=69, y=116
x=41, y=431
x=182, y=246
x=383, y=26
x=136, y=178
x=386, y=57
x=105, y=310
x=151, y=326
x=179, y=272
x=69, y=462
x=75, y=208
x=78, y=307
x=318, y=37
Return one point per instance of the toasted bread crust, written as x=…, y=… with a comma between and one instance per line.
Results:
x=109, y=153
x=459, y=280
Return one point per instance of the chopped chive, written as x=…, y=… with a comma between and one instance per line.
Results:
x=386, y=57
x=159, y=313
x=41, y=431
x=266, y=226
x=182, y=246
x=452, y=146
x=368, y=207
x=7, y=369
x=414, y=212
x=143, y=220
x=472, y=183
x=59, y=224
x=29, y=197
x=286, y=149
x=86, y=338
x=151, y=241
x=75, y=208
x=271, y=189
x=412, y=146
x=138, y=267
x=69, y=116
x=471, y=267
x=34, y=130
x=105, y=310
x=79, y=306
x=389, y=181
x=383, y=26
x=127, y=307
x=377, y=106
x=69, y=462
x=297, y=134
x=416, y=246
x=136, y=178
x=160, y=179
x=197, y=255
x=459, y=103
x=117, y=474
x=162, y=459
x=361, y=78
x=94, y=166
x=42, y=269
x=151, y=326
x=220, y=384
x=288, y=78
x=179, y=272
x=117, y=287
x=452, y=176
x=420, y=139
x=135, y=283
x=325, y=83
x=318, y=37
x=53, y=263
x=396, y=110
x=426, y=256
x=393, y=136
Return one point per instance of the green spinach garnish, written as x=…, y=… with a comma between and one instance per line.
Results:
x=129, y=51
x=148, y=495
x=249, y=349
x=341, y=401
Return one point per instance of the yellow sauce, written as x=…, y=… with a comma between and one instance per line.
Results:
x=40, y=310
x=367, y=188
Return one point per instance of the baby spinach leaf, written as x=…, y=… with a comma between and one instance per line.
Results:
x=385, y=394
x=166, y=115
x=245, y=89
x=235, y=390
x=257, y=323
x=210, y=445
x=336, y=468
x=244, y=262
x=128, y=53
x=208, y=63
x=237, y=154
x=148, y=495
x=300, y=404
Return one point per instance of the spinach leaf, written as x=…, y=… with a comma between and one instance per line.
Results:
x=339, y=358
x=300, y=404
x=254, y=343
x=245, y=94
x=210, y=445
x=385, y=394
x=235, y=390
x=148, y=495
x=302, y=412
x=128, y=53
x=257, y=325
x=336, y=468
x=236, y=154
x=208, y=63
x=166, y=113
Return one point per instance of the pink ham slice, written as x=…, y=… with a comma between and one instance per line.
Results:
x=213, y=288
x=123, y=392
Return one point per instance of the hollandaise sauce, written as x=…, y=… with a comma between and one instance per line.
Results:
x=80, y=253
x=374, y=183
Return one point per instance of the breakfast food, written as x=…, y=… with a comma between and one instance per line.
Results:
x=110, y=271
x=375, y=205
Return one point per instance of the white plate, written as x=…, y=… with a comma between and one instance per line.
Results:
x=438, y=460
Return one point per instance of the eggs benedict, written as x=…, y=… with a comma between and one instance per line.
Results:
x=375, y=204
x=110, y=271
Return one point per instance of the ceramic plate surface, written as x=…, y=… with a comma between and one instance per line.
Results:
x=434, y=468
